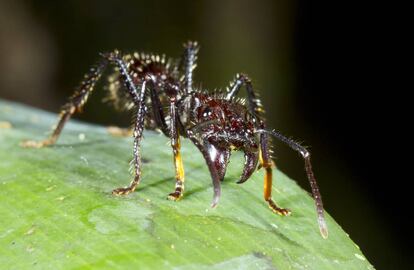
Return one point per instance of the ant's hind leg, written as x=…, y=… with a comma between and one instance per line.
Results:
x=266, y=163
x=189, y=63
x=75, y=103
x=139, y=127
x=254, y=104
x=138, y=96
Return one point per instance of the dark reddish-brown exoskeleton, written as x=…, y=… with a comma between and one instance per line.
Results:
x=216, y=123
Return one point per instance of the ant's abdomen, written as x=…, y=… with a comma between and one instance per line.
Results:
x=139, y=66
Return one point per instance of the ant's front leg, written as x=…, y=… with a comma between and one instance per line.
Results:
x=267, y=163
x=75, y=103
x=308, y=168
x=178, y=163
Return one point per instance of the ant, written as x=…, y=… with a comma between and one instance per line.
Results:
x=161, y=92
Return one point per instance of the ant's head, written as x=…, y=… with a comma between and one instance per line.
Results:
x=225, y=124
x=200, y=111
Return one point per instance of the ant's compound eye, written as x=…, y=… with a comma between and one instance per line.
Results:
x=207, y=112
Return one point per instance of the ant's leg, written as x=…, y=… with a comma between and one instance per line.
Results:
x=139, y=101
x=210, y=156
x=311, y=177
x=266, y=163
x=255, y=106
x=178, y=163
x=138, y=98
x=75, y=103
x=157, y=111
x=189, y=61
x=139, y=126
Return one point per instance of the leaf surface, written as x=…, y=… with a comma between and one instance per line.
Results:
x=57, y=211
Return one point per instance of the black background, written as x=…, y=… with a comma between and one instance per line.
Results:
x=351, y=81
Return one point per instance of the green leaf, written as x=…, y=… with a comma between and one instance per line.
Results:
x=57, y=211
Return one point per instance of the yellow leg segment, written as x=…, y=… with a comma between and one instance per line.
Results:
x=179, y=173
x=267, y=191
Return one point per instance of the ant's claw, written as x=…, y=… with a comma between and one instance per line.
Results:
x=122, y=191
x=278, y=210
x=34, y=144
x=175, y=196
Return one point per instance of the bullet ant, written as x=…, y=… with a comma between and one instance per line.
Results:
x=161, y=92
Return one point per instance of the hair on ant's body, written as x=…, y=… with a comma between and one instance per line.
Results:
x=161, y=92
